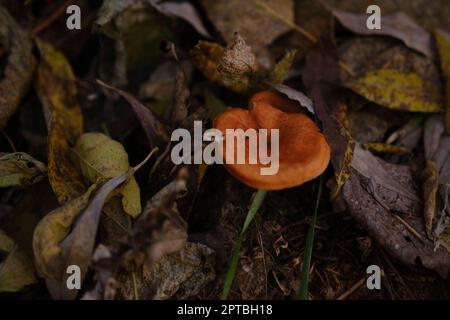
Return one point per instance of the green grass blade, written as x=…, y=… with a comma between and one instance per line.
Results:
x=231, y=272
x=302, y=292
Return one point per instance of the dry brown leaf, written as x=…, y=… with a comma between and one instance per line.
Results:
x=19, y=65
x=153, y=128
x=320, y=77
x=253, y=21
x=16, y=270
x=378, y=192
x=397, y=25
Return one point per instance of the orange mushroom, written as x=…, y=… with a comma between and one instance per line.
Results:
x=277, y=100
x=303, y=151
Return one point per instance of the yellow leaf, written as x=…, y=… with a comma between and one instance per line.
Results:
x=100, y=157
x=20, y=169
x=55, y=86
x=398, y=90
x=443, y=45
x=51, y=230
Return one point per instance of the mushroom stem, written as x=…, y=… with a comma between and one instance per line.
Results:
x=231, y=272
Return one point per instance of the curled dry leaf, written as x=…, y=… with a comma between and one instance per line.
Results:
x=236, y=68
x=19, y=65
x=382, y=197
x=20, y=169
x=16, y=270
x=206, y=56
x=296, y=95
x=153, y=128
x=397, y=25
x=443, y=45
x=99, y=157
x=56, y=89
x=321, y=77
x=158, y=231
x=436, y=184
x=67, y=236
x=183, y=10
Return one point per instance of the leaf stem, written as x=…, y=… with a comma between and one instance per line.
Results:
x=229, y=277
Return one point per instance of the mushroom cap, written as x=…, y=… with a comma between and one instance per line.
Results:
x=277, y=100
x=303, y=151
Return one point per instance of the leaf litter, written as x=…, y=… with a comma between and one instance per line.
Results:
x=167, y=231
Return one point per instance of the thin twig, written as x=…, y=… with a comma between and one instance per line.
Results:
x=355, y=287
x=52, y=18
x=409, y=228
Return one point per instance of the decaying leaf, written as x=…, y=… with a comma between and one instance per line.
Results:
x=138, y=30
x=154, y=129
x=99, y=157
x=430, y=187
x=443, y=45
x=398, y=90
x=321, y=77
x=48, y=234
x=158, y=231
x=236, y=68
x=16, y=73
x=180, y=96
x=66, y=236
x=20, y=169
x=382, y=197
x=436, y=184
x=253, y=19
x=386, y=148
x=183, y=10
x=16, y=270
x=397, y=25
x=281, y=68
x=55, y=86
x=206, y=56
x=178, y=275
x=391, y=75
x=158, y=91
